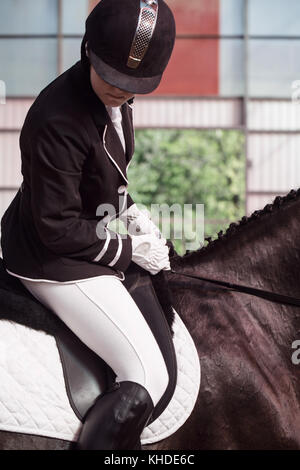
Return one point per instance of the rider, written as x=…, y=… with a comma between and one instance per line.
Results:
x=76, y=143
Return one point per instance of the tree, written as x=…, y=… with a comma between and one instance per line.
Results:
x=191, y=167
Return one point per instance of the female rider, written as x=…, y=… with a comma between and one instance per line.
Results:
x=76, y=144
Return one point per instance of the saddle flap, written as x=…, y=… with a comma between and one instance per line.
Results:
x=86, y=375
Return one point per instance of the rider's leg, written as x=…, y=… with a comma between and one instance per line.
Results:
x=102, y=313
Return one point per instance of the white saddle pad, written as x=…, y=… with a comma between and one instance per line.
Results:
x=33, y=398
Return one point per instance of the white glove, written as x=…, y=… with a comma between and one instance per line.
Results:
x=150, y=253
x=138, y=222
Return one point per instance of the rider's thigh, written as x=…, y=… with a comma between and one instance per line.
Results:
x=102, y=313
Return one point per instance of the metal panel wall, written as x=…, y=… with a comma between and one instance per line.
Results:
x=188, y=113
x=10, y=162
x=12, y=114
x=273, y=115
x=274, y=163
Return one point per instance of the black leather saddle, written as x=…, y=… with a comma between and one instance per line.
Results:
x=86, y=375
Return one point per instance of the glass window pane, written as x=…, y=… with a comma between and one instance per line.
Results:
x=193, y=69
x=274, y=17
x=232, y=57
x=27, y=65
x=74, y=14
x=273, y=67
x=28, y=17
x=196, y=16
x=205, y=67
x=232, y=17
x=71, y=52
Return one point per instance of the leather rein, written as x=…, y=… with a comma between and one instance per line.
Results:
x=272, y=296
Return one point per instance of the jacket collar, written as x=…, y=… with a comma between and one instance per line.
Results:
x=101, y=118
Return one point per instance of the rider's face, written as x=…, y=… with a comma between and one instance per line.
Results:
x=108, y=94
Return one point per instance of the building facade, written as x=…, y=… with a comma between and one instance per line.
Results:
x=235, y=66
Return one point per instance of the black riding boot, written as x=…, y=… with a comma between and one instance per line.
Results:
x=117, y=419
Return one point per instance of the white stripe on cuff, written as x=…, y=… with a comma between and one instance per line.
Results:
x=118, y=254
x=104, y=249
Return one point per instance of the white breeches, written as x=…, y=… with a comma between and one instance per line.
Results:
x=102, y=313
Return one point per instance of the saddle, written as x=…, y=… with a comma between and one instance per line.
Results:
x=86, y=375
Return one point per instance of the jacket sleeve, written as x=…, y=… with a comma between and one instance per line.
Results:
x=58, y=155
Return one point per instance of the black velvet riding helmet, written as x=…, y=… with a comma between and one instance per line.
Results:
x=130, y=42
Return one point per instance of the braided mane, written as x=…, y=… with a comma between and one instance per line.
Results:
x=235, y=227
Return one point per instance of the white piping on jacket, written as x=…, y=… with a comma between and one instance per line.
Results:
x=104, y=249
x=118, y=254
x=115, y=163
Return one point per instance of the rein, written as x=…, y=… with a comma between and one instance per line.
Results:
x=272, y=296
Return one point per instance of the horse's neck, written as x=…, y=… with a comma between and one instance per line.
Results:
x=264, y=253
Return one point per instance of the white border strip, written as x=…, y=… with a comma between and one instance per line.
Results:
x=119, y=251
x=104, y=249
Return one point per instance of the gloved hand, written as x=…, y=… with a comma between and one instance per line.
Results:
x=138, y=222
x=150, y=252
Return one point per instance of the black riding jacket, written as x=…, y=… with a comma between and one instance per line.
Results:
x=72, y=161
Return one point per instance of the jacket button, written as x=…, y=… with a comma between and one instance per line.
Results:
x=122, y=189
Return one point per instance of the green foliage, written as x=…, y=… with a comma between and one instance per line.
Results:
x=191, y=167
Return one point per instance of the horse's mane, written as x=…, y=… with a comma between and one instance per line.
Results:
x=235, y=227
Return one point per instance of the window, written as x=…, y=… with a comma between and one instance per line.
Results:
x=274, y=17
x=27, y=65
x=28, y=17
x=273, y=66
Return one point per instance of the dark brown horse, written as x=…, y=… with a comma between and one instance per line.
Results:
x=250, y=390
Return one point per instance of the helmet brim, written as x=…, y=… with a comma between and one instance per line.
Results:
x=136, y=85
